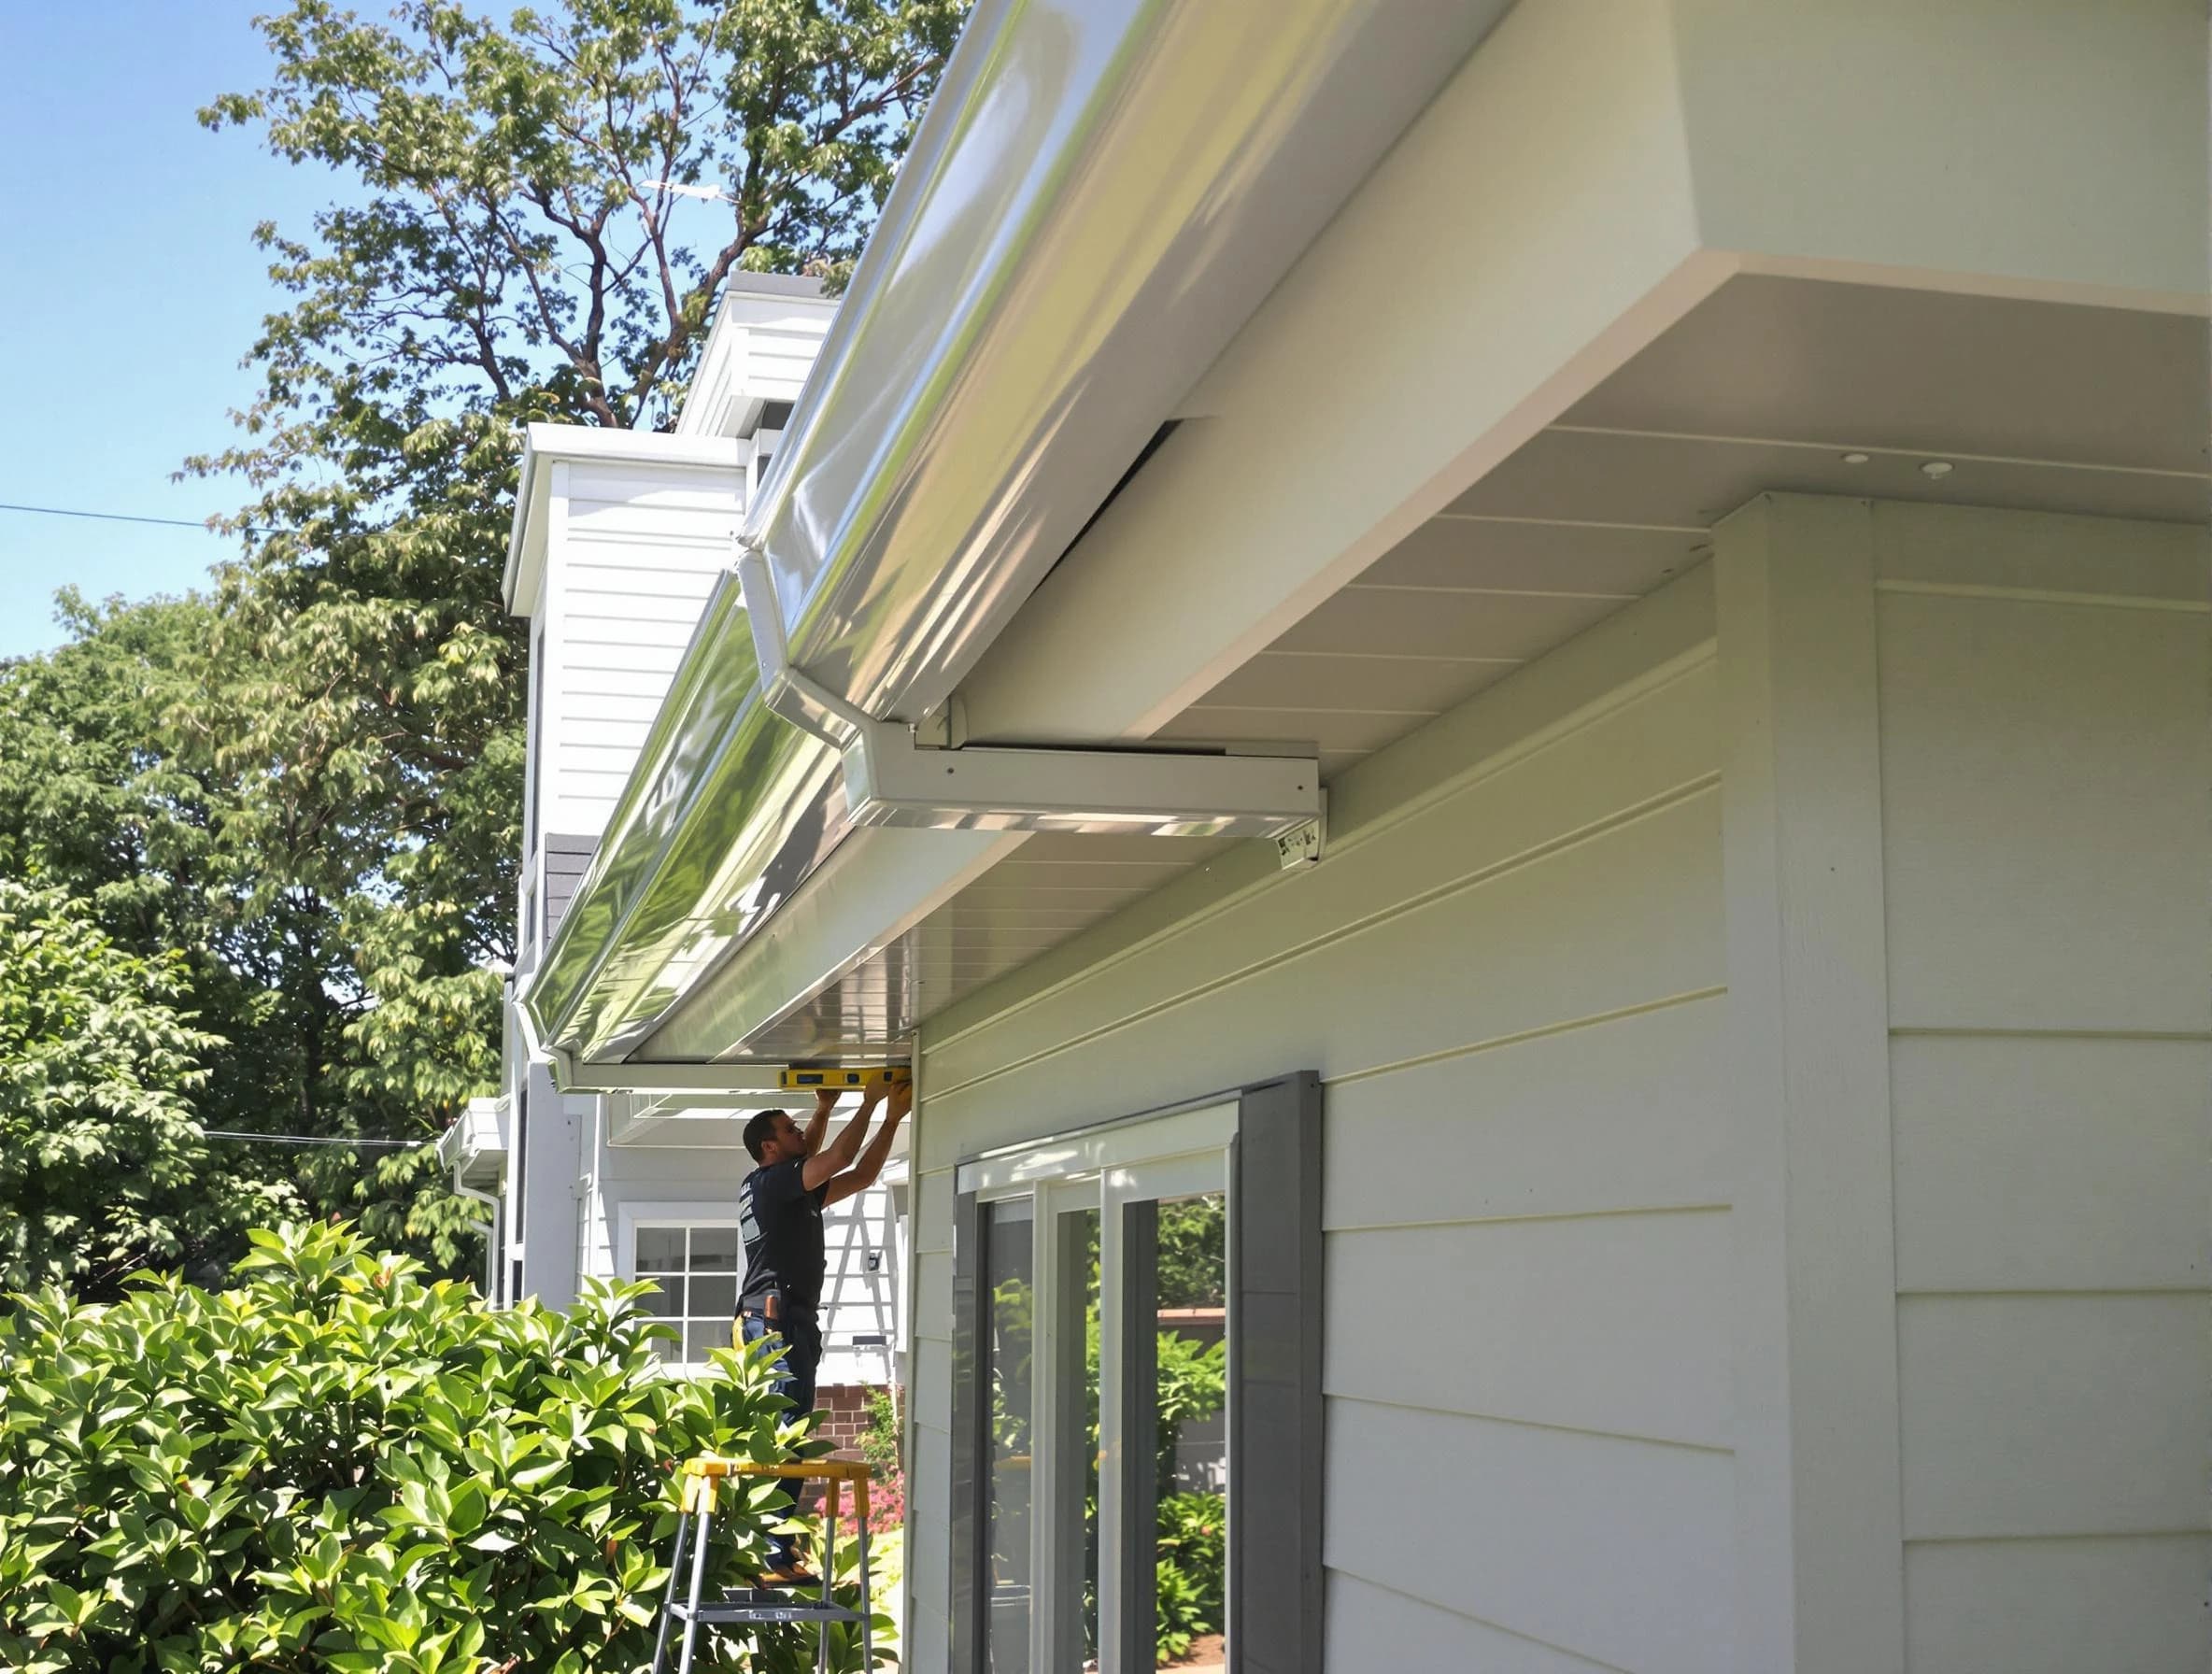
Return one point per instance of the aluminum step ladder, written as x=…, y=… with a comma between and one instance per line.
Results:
x=703, y=1480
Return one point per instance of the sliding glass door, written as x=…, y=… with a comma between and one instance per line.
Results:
x=1103, y=1350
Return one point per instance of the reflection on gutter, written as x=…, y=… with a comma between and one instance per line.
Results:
x=1100, y=193
x=728, y=809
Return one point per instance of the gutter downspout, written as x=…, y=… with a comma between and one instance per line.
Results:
x=788, y=690
x=489, y=1227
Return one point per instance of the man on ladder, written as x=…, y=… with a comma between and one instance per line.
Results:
x=779, y=1213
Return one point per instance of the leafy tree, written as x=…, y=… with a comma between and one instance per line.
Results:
x=1194, y=1253
x=101, y=800
x=508, y=261
x=309, y=783
x=102, y=1165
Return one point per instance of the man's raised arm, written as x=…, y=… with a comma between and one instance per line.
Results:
x=862, y=1174
x=837, y=1155
x=825, y=1102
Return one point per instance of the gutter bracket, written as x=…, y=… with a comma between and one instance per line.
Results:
x=891, y=780
x=1302, y=845
x=941, y=783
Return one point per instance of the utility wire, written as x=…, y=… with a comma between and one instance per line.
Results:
x=310, y=1139
x=63, y=511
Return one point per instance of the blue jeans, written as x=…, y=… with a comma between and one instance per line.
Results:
x=801, y=1356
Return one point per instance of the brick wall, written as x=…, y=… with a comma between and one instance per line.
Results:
x=842, y=1414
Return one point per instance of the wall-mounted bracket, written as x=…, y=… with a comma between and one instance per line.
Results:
x=937, y=781
x=892, y=781
x=946, y=728
x=1301, y=845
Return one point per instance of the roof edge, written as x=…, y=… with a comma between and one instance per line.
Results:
x=546, y=445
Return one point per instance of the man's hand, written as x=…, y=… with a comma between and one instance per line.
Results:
x=902, y=1100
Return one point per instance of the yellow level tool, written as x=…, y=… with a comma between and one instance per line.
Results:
x=876, y=1075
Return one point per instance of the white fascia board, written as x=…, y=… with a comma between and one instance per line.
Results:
x=546, y=445
x=2055, y=151
x=724, y=380
x=1572, y=242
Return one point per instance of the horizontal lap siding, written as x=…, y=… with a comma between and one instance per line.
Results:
x=1362, y=1613
x=2047, y=858
x=1614, y=1550
x=1511, y=989
x=635, y=552
x=564, y=860
x=1614, y=1324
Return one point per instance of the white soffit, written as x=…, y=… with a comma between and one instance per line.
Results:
x=1770, y=385
x=1767, y=384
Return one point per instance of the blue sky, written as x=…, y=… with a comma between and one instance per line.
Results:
x=131, y=286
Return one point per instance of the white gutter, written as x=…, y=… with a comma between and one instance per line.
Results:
x=1101, y=194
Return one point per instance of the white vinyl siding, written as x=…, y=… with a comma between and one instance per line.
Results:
x=762, y=348
x=1508, y=974
x=2047, y=852
x=633, y=552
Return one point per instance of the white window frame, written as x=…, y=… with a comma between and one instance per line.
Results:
x=1018, y=1169
x=631, y=1218
x=1102, y=1171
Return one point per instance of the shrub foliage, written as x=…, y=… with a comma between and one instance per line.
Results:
x=340, y=1465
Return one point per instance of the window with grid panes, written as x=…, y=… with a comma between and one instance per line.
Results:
x=696, y=1268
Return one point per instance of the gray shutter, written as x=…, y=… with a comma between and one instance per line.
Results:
x=971, y=1451
x=1140, y=1389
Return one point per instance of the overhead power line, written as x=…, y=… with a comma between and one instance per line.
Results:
x=65, y=511
x=311, y=1139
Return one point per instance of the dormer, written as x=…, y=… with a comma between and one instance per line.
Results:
x=618, y=540
x=765, y=337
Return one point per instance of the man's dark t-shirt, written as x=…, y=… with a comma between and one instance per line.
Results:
x=781, y=1222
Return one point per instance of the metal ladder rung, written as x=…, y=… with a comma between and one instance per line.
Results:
x=740, y=1608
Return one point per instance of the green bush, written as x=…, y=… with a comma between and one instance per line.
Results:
x=1191, y=1384
x=338, y=1466
x=1189, y=1569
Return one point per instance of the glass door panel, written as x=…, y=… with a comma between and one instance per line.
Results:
x=1189, y=1295
x=1068, y=1503
x=1103, y=1349
x=1164, y=1377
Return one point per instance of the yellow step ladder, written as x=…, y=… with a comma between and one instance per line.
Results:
x=703, y=1480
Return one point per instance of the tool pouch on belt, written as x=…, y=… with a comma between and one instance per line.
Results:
x=770, y=1306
